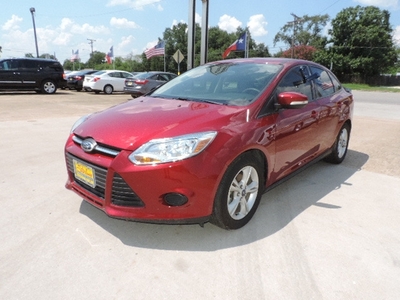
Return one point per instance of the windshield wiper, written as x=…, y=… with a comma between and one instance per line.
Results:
x=210, y=101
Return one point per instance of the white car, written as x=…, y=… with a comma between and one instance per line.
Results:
x=107, y=81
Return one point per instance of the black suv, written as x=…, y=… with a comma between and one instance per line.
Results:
x=38, y=74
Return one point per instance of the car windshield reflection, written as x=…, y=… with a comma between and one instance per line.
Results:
x=223, y=83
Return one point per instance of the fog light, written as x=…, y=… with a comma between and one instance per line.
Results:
x=175, y=199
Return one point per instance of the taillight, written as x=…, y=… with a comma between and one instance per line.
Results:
x=138, y=81
x=64, y=76
x=96, y=79
x=78, y=77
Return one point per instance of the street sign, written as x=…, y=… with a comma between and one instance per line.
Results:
x=178, y=56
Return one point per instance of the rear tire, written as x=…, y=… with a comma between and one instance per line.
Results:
x=339, y=149
x=108, y=89
x=239, y=192
x=48, y=87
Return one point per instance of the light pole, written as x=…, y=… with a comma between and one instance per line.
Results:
x=32, y=10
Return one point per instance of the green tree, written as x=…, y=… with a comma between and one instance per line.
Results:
x=304, y=31
x=96, y=60
x=361, y=41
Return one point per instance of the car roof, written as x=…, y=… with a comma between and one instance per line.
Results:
x=31, y=58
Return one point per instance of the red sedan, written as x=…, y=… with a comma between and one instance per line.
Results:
x=206, y=145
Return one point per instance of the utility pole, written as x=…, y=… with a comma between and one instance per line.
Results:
x=294, y=22
x=91, y=41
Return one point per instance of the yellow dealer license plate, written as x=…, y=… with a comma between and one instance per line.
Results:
x=84, y=173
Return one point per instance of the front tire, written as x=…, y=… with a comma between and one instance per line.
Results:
x=48, y=87
x=339, y=149
x=239, y=192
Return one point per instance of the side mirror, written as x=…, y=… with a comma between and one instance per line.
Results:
x=291, y=100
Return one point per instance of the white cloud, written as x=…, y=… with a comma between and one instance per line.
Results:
x=257, y=25
x=126, y=41
x=12, y=24
x=66, y=23
x=122, y=23
x=380, y=3
x=63, y=39
x=86, y=28
x=228, y=23
x=197, y=19
x=396, y=35
x=136, y=4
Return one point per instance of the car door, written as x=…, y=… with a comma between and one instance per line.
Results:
x=331, y=103
x=30, y=73
x=9, y=75
x=296, y=129
x=119, y=80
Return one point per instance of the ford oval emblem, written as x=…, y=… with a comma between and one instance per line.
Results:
x=88, y=145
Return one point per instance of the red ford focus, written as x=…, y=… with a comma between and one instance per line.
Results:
x=206, y=145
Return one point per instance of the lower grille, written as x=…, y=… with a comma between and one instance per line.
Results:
x=121, y=193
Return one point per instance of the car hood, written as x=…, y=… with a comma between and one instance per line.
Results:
x=131, y=124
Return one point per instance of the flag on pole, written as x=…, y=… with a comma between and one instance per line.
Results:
x=156, y=50
x=75, y=55
x=110, y=55
x=238, y=45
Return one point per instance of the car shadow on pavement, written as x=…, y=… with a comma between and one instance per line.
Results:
x=278, y=208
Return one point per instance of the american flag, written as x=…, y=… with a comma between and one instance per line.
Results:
x=75, y=55
x=156, y=50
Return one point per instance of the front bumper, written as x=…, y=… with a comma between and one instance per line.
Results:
x=127, y=191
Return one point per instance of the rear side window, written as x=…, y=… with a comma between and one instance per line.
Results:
x=28, y=64
x=115, y=74
x=322, y=81
x=336, y=83
x=55, y=66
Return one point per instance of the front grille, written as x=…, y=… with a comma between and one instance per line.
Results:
x=121, y=193
x=101, y=175
x=100, y=148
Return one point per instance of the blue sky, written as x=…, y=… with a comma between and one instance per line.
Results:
x=131, y=26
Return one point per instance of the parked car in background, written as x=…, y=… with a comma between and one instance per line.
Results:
x=145, y=82
x=75, y=79
x=206, y=145
x=35, y=74
x=107, y=81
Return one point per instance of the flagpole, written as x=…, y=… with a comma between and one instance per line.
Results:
x=246, y=55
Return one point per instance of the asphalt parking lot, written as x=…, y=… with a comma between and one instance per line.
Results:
x=332, y=232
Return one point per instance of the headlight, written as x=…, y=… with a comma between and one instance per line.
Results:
x=79, y=122
x=172, y=149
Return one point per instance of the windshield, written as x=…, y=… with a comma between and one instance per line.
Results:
x=224, y=83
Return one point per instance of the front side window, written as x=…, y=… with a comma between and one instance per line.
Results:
x=7, y=65
x=296, y=81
